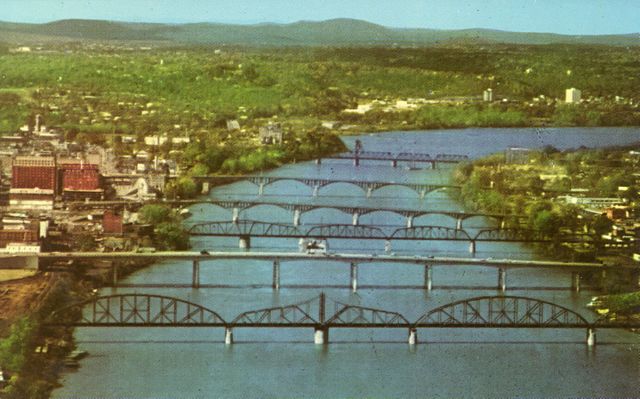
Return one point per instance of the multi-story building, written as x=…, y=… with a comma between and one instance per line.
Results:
x=78, y=180
x=34, y=172
x=572, y=96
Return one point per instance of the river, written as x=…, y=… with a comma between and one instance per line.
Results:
x=278, y=363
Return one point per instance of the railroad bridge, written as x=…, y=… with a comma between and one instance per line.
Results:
x=146, y=310
x=394, y=158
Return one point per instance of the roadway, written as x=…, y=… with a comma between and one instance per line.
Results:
x=333, y=257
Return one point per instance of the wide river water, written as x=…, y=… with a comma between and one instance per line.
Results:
x=284, y=363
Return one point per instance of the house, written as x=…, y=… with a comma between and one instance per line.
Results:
x=572, y=96
x=233, y=125
x=271, y=134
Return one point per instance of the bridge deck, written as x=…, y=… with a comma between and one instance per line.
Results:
x=332, y=257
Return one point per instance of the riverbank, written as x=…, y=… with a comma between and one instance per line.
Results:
x=538, y=186
x=33, y=355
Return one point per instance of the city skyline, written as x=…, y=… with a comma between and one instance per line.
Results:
x=572, y=17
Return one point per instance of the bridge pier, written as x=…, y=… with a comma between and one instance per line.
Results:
x=394, y=163
x=423, y=193
x=413, y=336
x=319, y=161
x=409, y=221
x=472, y=247
x=369, y=191
x=575, y=281
x=228, y=336
x=502, y=279
x=244, y=242
x=591, y=337
x=296, y=217
x=356, y=161
x=428, y=277
x=195, y=275
x=433, y=164
x=114, y=273
x=316, y=188
x=261, y=189
x=355, y=219
x=205, y=188
x=276, y=275
x=235, y=215
x=321, y=336
x=459, y=223
x=354, y=277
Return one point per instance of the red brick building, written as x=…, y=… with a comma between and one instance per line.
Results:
x=112, y=223
x=78, y=175
x=17, y=236
x=78, y=180
x=34, y=172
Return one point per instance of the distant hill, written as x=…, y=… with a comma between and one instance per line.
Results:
x=335, y=32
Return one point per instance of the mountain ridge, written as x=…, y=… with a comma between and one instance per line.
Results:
x=332, y=32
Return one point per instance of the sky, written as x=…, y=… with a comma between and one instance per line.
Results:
x=574, y=17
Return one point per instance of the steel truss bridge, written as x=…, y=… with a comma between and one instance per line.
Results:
x=368, y=187
x=394, y=158
x=146, y=310
x=248, y=228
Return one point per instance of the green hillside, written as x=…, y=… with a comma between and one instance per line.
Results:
x=335, y=32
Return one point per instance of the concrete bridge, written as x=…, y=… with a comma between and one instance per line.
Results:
x=394, y=158
x=146, y=310
x=245, y=229
x=426, y=263
x=298, y=209
x=368, y=187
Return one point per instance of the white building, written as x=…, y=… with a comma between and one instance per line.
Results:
x=599, y=203
x=487, y=95
x=572, y=96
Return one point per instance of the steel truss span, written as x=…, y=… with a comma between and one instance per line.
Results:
x=144, y=310
x=243, y=228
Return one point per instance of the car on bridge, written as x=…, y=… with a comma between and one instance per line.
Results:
x=313, y=246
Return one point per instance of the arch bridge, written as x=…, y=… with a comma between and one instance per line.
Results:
x=368, y=187
x=148, y=310
x=298, y=209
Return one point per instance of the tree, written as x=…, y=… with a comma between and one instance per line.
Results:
x=547, y=222
x=171, y=235
x=602, y=225
x=155, y=214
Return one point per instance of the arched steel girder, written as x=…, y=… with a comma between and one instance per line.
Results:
x=359, y=316
x=521, y=235
x=245, y=228
x=143, y=310
x=501, y=311
x=136, y=310
x=346, y=231
x=298, y=314
x=430, y=233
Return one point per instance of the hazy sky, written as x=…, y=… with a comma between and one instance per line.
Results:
x=560, y=16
